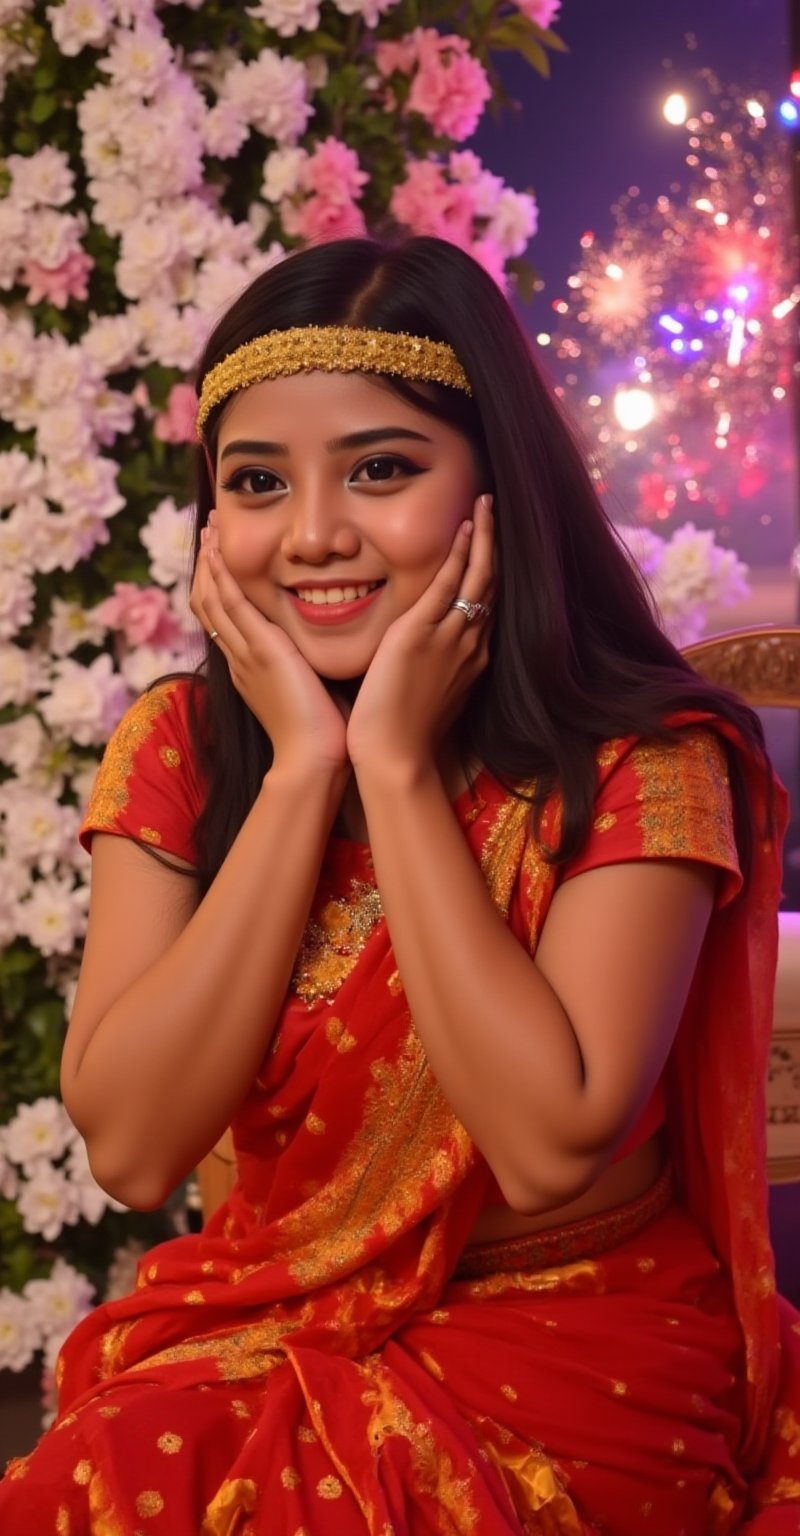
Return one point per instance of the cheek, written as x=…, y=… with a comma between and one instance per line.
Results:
x=246, y=548
x=420, y=540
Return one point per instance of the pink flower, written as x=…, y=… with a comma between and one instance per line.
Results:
x=333, y=172
x=543, y=12
x=450, y=89
x=57, y=285
x=177, y=423
x=142, y=614
x=319, y=220
x=401, y=55
x=489, y=255
x=429, y=205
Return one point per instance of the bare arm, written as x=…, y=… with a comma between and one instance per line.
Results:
x=177, y=1000
x=546, y=1063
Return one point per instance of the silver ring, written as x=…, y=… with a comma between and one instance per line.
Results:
x=470, y=610
x=214, y=634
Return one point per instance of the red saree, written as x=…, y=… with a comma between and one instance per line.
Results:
x=326, y=1356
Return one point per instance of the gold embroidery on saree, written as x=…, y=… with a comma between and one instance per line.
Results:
x=685, y=799
x=431, y=1467
x=109, y=796
x=334, y=940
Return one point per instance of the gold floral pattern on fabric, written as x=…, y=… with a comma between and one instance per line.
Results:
x=431, y=1469
x=608, y=754
x=333, y=941
x=503, y=850
x=150, y=835
x=329, y=1487
x=535, y=1487
x=605, y=822
x=110, y=795
x=786, y=1426
x=170, y=1443
x=62, y=1521
x=149, y=1503
x=82, y=1473
x=112, y=1348
x=408, y=1137
x=240, y=1354
x=685, y=799
x=170, y=757
x=237, y=1495
x=339, y=1035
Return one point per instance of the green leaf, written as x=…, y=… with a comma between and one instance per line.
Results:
x=43, y=107
x=24, y=142
x=16, y=961
x=552, y=40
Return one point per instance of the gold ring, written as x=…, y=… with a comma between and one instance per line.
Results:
x=214, y=635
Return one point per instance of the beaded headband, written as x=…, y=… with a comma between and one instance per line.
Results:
x=334, y=349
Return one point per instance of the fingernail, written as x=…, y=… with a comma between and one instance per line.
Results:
x=486, y=501
x=466, y=527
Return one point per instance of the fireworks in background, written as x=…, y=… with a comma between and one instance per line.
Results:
x=675, y=343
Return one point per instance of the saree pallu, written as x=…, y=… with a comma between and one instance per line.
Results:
x=325, y=1355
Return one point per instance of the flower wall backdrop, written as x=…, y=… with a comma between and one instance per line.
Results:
x=156, y=157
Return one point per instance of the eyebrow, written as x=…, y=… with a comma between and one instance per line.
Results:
x=334, y=444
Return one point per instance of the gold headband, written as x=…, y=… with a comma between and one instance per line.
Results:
x=335, y=349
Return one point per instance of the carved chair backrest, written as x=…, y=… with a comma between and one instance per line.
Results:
x=763, y=666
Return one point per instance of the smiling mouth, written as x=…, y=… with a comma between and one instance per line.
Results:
x=329, y=596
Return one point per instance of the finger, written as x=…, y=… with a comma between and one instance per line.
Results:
x=479, y=574
x=446, y=584
x=232, y=615
x=205, y=602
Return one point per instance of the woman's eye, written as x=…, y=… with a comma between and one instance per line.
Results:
x=255, y=482
x=382, y=467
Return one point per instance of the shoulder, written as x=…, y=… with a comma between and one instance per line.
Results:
x=148, y=773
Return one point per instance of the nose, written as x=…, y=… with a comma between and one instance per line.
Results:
x=317, y=527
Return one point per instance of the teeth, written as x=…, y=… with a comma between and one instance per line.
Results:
x=327, y=595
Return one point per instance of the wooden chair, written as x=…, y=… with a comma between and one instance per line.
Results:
x=763, y=666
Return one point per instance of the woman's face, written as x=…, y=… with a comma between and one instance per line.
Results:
x=337, y=502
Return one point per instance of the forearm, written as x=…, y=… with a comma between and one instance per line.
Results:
x=172, y=1059
x=495, y=1034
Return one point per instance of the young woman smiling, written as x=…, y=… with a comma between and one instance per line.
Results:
x=451, y=887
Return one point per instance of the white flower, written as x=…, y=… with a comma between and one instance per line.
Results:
x=16, y=601
x=19, y=1334
x=20, y=476
x=18, y=536
x=26, y=747
x=52, y=236
x=64, y=431
x=121, y=1276
x=39, y=831
x=13, y=237
x=20, y=674
x=370, y=11
x=15, y=883
x=83, y=780
x=117, y=200
x=59, y=1301
x=38, y=1131
x=145, y=663
x=270, y=93
x=167, y=537
x=283, y=171
x=92, y=1200
x=513, y=221
x=112, y=342
x=48, y=1202
x=85, y=484
x=54, y=916
x=224, y=130
x=219, y=282
x=644, y=548
x=139, y=61
x=86, y=702
x=42, y=178
x=63, y=373
x=113, y=414
x=71, y=626
x=78, y=24
x=174, y=339
x=286, y=17
x=69, y=536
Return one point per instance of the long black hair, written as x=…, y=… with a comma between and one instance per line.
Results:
x=577, y=656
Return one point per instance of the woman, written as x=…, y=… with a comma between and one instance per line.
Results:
x=463, y=914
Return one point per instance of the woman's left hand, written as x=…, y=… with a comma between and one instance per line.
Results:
x=421, y=674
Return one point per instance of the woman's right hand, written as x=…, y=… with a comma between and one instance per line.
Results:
x=303, y=722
